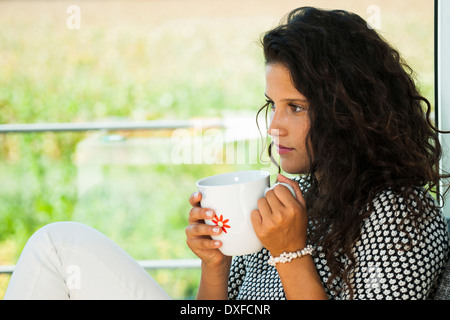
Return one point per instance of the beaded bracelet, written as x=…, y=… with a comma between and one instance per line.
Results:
x=289, y=256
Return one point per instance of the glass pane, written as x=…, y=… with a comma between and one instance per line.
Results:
x=145, y=60
x=132, y=186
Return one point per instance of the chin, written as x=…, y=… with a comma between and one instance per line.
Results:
x=292, y=169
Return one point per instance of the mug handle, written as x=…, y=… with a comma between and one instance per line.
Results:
x=284, y=184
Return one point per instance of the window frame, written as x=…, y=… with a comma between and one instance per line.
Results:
x=442, y=81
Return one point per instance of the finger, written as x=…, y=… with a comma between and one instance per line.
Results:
x=203, y=243
x=274, y=200
x=264, y=208
x=195, y=199
x=196, y=214
x=201, y=229
x=256, y=219
x=283, y=195
x=294, y=185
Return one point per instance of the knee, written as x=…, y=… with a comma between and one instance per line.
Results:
x=62, y=232
x=59, y=227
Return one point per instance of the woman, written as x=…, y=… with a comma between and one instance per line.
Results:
x=346, y=116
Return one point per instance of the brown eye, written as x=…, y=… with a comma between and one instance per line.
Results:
x=296, y=108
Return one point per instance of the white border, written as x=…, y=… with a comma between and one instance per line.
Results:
x=443, y=84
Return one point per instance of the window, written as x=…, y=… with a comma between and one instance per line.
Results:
x=102, y=106
x=443, y=82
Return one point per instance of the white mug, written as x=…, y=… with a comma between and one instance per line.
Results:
x=233, y=196
x=284, y=184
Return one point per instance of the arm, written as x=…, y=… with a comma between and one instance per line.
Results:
x=280, y=223
x=300, y=280
x=214, y=282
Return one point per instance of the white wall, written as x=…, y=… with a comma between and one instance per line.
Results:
x=443, y=84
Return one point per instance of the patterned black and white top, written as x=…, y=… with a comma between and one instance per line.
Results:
x=381, y=272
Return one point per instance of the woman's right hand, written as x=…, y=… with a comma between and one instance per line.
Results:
x=215, y=265
x=199, y=234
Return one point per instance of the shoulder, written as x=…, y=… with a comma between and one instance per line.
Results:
x=395, y=225
x=393, y=207
x=398, y=213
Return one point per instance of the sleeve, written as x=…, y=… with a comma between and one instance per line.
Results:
x=398, y=263
x=236, y=278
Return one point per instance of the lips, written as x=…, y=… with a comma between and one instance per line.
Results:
x=283, y=150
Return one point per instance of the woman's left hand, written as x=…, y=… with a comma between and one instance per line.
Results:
x=280, y=222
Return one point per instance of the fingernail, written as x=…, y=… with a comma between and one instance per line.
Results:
x=216, y=230
x=217, y=243
x=209, y=214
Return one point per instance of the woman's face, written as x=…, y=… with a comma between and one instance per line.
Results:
x=289, y=119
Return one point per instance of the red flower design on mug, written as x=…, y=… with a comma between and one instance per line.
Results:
x=221, y=223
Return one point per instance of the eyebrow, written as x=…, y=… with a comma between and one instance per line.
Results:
x=290, y=100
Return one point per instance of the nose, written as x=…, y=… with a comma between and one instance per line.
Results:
x=277, y=126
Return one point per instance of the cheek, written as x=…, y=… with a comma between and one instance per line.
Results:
x=298, y=162
x=301, y=133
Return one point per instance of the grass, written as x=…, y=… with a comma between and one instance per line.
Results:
x=139, y=60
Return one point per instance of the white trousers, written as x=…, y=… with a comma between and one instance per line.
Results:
x=69, y=260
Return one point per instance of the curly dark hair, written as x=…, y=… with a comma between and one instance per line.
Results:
x=370, y=128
